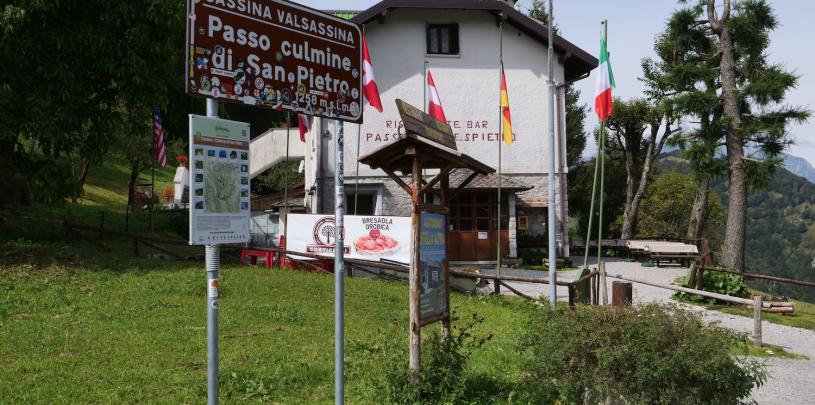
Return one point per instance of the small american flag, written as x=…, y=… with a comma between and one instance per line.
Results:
x=158, y=138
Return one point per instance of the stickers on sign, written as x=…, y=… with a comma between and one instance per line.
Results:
x=238, y=89
x=240, y=77
x=212, y=291
x=259, y=83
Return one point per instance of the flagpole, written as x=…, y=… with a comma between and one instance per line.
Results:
x=602, y=158
x=500, y=146
x=424, y=108
x=551, y=176
x=286, y=179
x=359, y=145
x=356, y=180
x=424, y=87
x=153, y=179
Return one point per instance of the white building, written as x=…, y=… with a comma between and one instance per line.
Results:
x=460, y=42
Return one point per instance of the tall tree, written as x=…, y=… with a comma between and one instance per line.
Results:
x=749, y=91
x=684, y=76
x=636, y=135
x=80, y=70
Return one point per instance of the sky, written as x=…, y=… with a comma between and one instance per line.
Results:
x=632, y=28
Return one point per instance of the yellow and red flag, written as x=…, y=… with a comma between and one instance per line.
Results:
x=506, y=127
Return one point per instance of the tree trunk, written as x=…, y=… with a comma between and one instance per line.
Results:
x=632, y=206
x=629, y=213
x=131, y=185
x=734, y=239
x=78, y=191
x=699, y=213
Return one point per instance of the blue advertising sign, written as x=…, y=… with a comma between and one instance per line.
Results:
x=432, y=256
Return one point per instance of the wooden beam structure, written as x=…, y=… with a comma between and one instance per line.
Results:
x=427, y=144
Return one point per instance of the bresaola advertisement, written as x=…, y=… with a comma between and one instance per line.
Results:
x=366, y=237
x=276, y=54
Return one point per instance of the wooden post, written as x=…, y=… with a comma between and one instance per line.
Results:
x=445, y=323
x=621, y=294
x=692, y=275
x=757, y=340
x=415, y=278
x=601, y=267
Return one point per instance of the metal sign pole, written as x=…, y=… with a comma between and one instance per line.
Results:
x=551, y=144
x=213, y=263
x=339, y=267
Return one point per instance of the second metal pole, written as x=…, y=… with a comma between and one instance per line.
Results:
x=339, y=267
x=551, y=177
x=213, y=264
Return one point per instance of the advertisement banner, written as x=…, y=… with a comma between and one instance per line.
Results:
x=366, y=237
x=219, y=181
x=432, y=254
x=275, y=54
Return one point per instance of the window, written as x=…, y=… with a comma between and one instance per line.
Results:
x=442, y=39
x=367, y=204
x=477, y=211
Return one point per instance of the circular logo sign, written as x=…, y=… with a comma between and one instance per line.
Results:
x=324, y=231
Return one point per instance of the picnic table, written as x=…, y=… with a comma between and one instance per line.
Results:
x=681, y=252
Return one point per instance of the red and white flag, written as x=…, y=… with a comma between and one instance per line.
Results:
x=158, y=138
x=434, y=107
x=368, y=80
x=302, y=123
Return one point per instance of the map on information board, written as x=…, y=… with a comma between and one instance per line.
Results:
x=219, y=181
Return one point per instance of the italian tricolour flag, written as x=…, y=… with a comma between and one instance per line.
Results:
x=605, y=82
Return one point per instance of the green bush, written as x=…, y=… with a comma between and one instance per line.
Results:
x=644, y=355
x=718, y=282
x=444, y=377
x=533, y=257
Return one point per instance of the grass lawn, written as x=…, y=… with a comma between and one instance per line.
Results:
x=110, y=329
x=767, y=351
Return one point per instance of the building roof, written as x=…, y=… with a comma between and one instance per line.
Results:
x=577, y=62
x=293, y=203
x=485, y=182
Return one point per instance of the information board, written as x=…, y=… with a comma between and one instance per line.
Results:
x=432, y=266
x=276, y=54
x=367, y=237
x=219, y=181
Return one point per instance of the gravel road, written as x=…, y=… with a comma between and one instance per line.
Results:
x=790, y=382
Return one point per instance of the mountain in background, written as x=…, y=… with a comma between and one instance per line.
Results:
x=799, y=167
x=780, y=228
